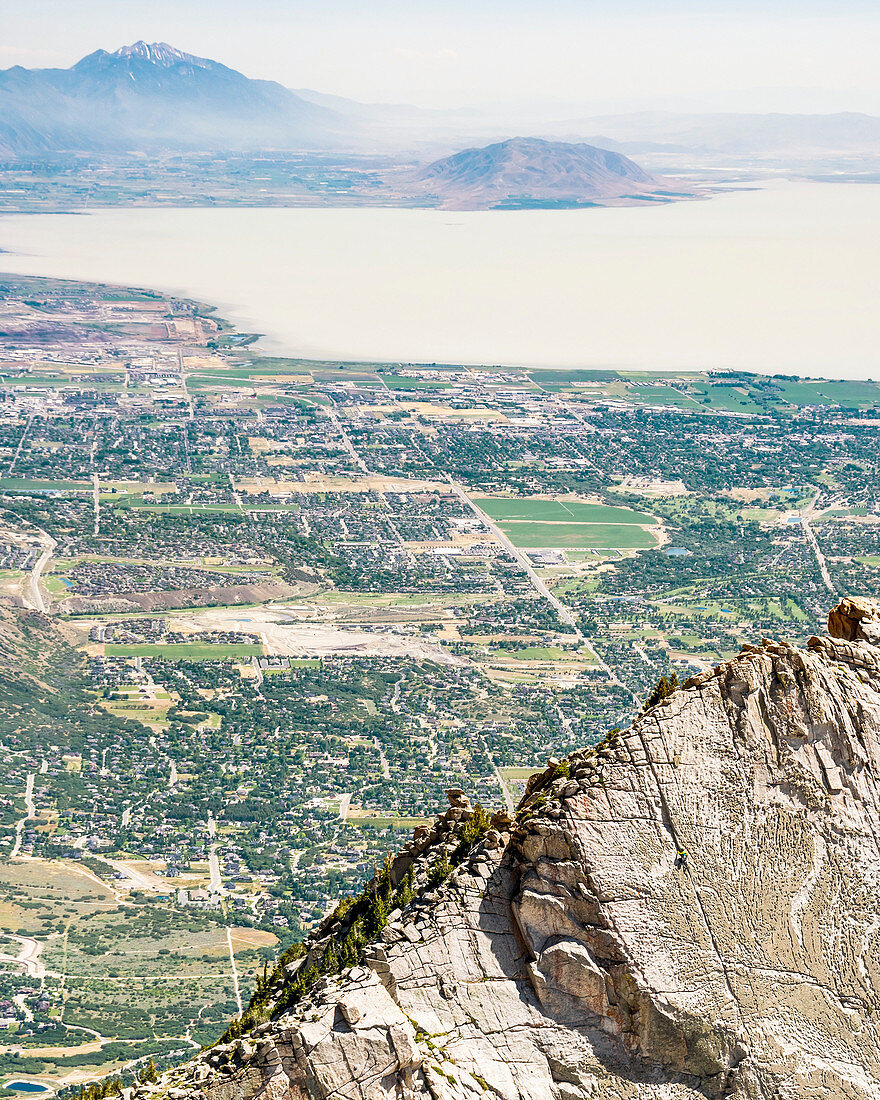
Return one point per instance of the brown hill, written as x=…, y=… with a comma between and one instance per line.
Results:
x=530, y=172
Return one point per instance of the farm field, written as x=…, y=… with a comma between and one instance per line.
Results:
x=606, y=536
x=41, y=485
x=562, y=523
x=561, y=511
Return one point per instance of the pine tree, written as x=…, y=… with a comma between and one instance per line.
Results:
x=666, y=685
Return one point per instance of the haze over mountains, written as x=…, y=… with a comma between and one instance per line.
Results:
x=729, y=133
x=154, y=97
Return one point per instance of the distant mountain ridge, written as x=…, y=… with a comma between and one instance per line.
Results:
x=152, y=96
x=729, y=132
x=532, y=171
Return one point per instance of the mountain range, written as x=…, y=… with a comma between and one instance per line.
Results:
x=149, y=97
x=152, y=97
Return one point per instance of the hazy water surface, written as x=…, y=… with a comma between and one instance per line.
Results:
x=785, y=278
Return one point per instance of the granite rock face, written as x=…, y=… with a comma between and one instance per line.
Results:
x=691, y=909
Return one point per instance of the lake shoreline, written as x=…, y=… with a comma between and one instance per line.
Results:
x=609, y=288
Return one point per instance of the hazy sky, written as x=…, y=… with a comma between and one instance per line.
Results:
x=602, y=54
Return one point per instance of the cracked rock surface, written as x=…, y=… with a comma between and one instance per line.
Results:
x=691, y=909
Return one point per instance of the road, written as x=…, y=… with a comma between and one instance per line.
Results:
x=395, y=695
x=28, y=957
x=215, y=886
x=561, y=610
x=29, y=795
x=35, y=596
x=186, y=394
x=518, y=556
x=505, y=793
x=347, y=443
x=811, y=539
x=97, y=503
x=234, y=971
x=24, y=434
x=31, y=812
x=135, y=879
x=138, y=879
x=383, y=759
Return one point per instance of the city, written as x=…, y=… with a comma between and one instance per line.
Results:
x=266, y=612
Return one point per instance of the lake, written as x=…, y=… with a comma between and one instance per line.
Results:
x=783, y=278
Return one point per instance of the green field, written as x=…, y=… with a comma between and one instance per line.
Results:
x=187, y=509
x=549, y=379
x=538, y=653
x=186, y=651
x=26, y=483
x=399, y=382
x=611, y=536
x=659, y=395
x=558, y=511
x=850, y=394
x=720, y=396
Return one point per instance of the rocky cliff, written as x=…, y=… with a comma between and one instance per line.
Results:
x=689, y=909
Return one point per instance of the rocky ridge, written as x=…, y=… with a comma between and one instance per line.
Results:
x=689, y=909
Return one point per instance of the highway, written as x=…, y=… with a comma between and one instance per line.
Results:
x=814, y=545
x=522, y=559
x=347, y=443
x=525, y=564
x=35, y=596
x=96, y=490
x=24, y=435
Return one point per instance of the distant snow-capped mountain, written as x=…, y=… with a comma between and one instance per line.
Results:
x=152, y=96
x=148, y=97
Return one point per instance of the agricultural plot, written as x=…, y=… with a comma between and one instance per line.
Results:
x=558, y=511
x=543, y=523
x=605, y=536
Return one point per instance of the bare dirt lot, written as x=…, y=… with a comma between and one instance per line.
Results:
x=285, y=636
